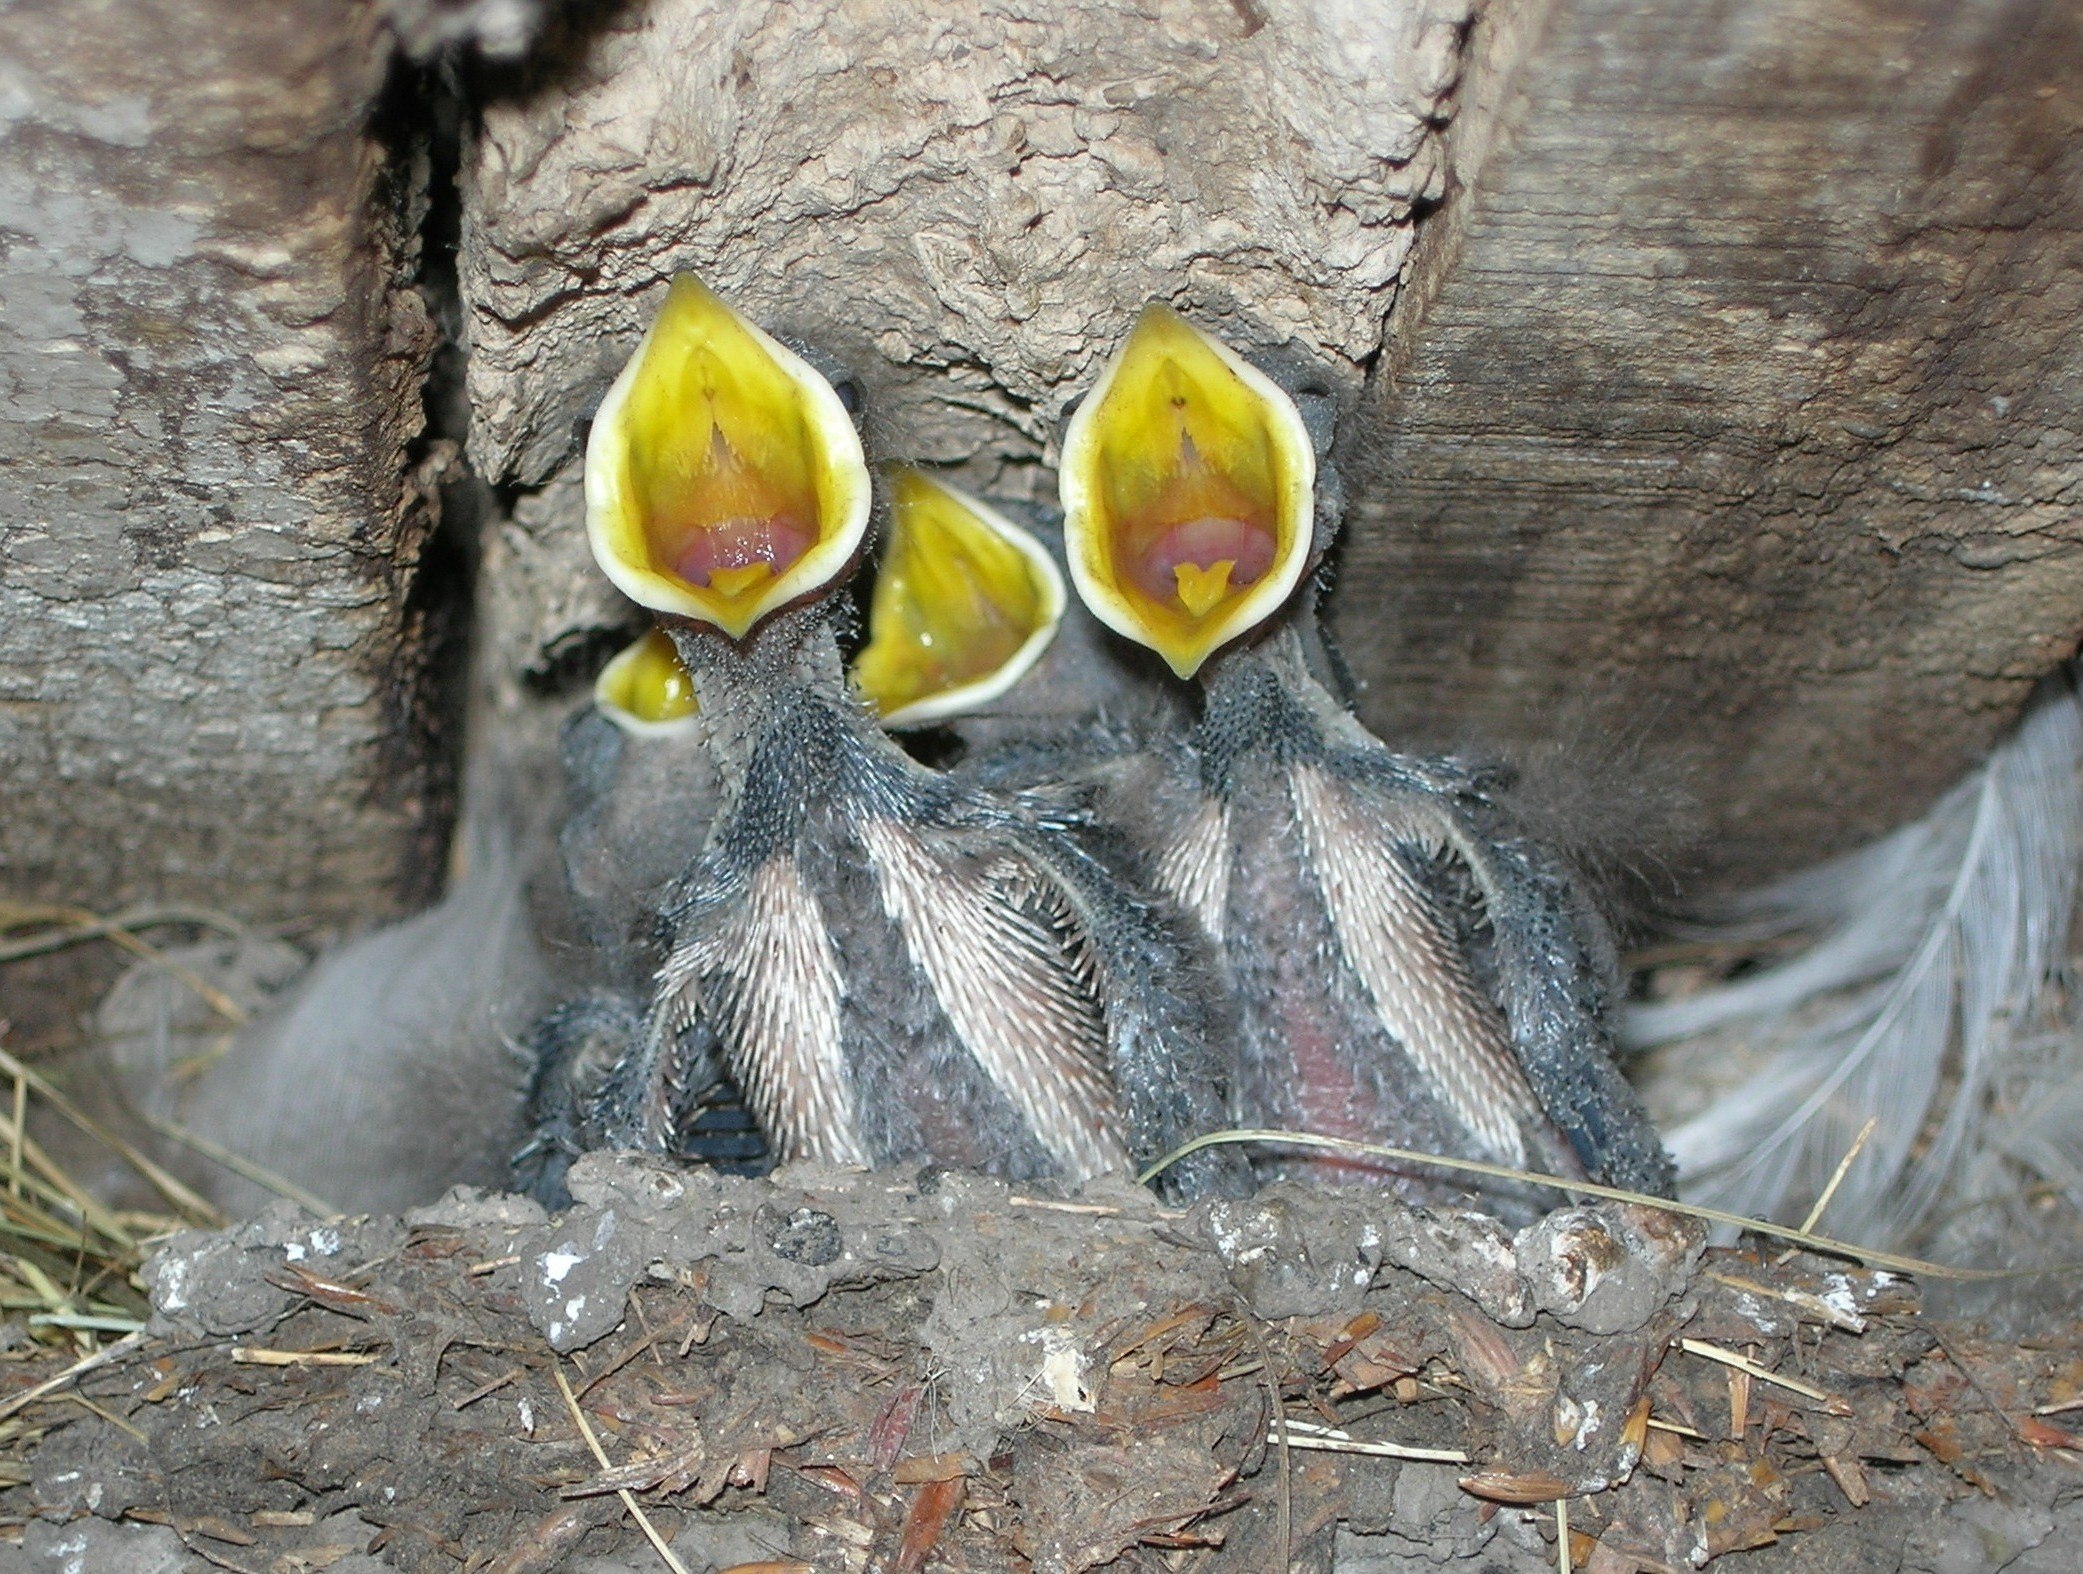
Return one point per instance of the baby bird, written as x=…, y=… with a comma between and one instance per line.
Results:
x=965, y=603
x=639, y=792
x=1407, y=966
x=892, y=966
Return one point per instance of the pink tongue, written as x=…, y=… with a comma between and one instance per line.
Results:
x=776, y=540
x=1203, y=542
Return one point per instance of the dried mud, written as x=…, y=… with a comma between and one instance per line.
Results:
x=837, y=1371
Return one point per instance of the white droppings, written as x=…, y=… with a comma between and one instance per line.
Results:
x=1588, y=1426
x=173, y=1285
x=555, y=1265
x=1841, y=1296
x=1063, y=1367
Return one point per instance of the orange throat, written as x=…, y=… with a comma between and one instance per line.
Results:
x=1200, y=540
x=727, y=527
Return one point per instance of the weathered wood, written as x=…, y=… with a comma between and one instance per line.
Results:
x=967, y=202
x=1737, y=398
x=209, y=532
x=1736, y=405
x=967, y=205
x=1739, y=402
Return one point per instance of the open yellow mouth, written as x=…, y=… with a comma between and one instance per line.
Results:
x=724, y=478
x=965, y=602
x=1188, y=485
x=644, y=689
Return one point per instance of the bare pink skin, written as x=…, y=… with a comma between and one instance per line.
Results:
x=1203, y=542
x=776, y=540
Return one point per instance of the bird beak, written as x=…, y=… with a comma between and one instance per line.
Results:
x=724, y=478
x=965, y=602
x=1188, y=484
x=645, y=689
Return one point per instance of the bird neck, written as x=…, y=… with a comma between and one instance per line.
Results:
x=1255, y=702
x=746, y=690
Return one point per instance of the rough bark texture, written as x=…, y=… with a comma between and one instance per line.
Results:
x=209, y=650
x=1740, y=398
x=1737, y=405
x=966, y=202
x=966, y=205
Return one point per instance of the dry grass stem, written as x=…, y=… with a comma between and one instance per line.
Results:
x=636, y=1509
x=1660, y=1425
x=1097, y=1210
x=252, y=1355
x=1331, y=1440
x=1871, y=1256
x=169, y=1187
x=78, y=1369
x=1750, y=1368
x=259, y=1174
x=74, y=925
x=1844, y=1168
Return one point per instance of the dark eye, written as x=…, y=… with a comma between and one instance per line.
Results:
x=849, y=391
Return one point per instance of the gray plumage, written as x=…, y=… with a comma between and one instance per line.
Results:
x=1927, y=961
x=1407, y=966
x=898, y=966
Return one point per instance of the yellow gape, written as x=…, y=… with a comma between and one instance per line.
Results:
x=724, y=479
x=645, y=689
x=1188, y=487
x=965, y=602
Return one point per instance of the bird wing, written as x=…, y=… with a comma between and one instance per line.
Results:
x=1935, y=950
x=1406, y=957
x=997, y=943
x=762, y=970
x=1194, y=870
x=1549, y=954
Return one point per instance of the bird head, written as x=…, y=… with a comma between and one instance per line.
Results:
x=645, y=689
x=724, y=477
x=965, y=601
x=1189, y=483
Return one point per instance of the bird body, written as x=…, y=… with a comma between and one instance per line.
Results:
x=1405, y=965
x=893, y=966
x=886, y=955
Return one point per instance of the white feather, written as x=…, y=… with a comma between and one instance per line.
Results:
x=386, y=1074
x=1929, y=957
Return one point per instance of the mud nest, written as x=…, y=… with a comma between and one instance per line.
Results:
x=836, y=1371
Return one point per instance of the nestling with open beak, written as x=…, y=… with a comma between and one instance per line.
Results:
x=893, y=966
x=1408, y=967
x=965, y=601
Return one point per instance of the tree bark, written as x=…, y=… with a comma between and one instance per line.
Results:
x=1734, y=416
x=1715, y=372
x=1737, y=405
x=210, y=648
